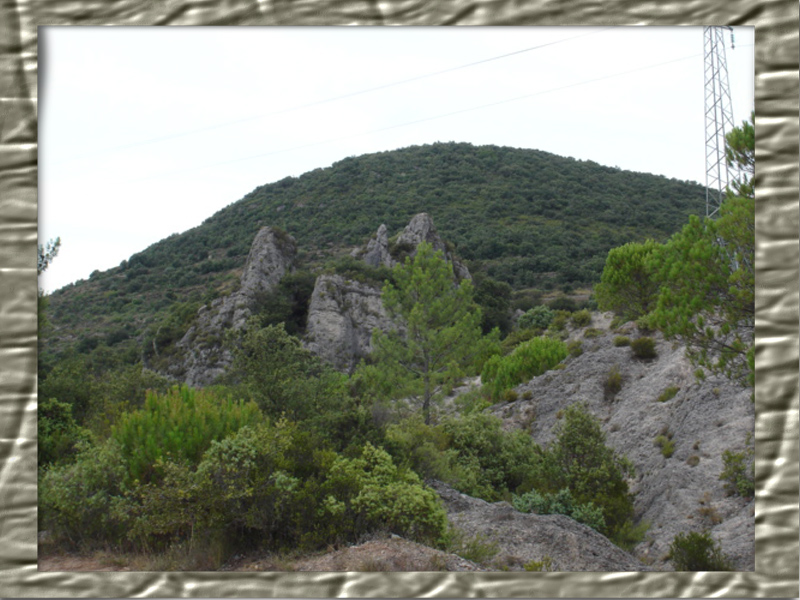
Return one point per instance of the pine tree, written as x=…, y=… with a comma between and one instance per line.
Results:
x=437, y=336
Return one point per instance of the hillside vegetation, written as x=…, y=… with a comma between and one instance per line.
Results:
x=524, y=217
x=315, y=395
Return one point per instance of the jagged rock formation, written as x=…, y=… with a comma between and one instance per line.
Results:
x=341, y=318
x=377, y=251
x=676, y=494
x=342, y=312
x=380, y=251
x=523, y=538
x=271, y=256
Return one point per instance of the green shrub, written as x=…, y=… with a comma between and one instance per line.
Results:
x=669, y=393
x=528, y=360
x=369, y=493
x=560, y=503
x=559, y=321
x=181, y=424
x=581, y=318
x=60, y=437
x=84, y=502
x=693, y=460
x=644, y=347
x=666, y=444
x=629, y=535
x=546, y=564
x=510, y=396
x=739, y=471
x=592, y=332
x=575, y=348
x=538, y=317
x=695, y=551
x=579, y=460
x=622, y=340
x=613, y=383
x=477, y=548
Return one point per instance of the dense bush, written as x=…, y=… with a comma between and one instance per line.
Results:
x=560, y=503
x=622, y=340
x=59, y=435
x=581, y=318
x=180, y=424
x=644, y=347
x=528, y=360
x=538, y=317
x=695, y=551
x=580, y=461
x=84, y=502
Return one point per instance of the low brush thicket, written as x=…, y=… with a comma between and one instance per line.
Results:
x=528, y=360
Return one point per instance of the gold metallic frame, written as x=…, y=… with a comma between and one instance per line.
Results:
x=777, y=184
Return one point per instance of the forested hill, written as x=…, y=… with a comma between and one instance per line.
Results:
x=524, y=212
x=527, y=217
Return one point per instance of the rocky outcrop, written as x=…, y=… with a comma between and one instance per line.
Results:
x=271, y=256
x=342, y=312
x=341, y=317
x=524, y=538
x=379, y=251
x=675, y=494
x=376, y=253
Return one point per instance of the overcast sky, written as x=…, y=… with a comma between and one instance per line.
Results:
x=145, y=132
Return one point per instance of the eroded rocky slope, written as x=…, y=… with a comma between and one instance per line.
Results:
x=675, y=494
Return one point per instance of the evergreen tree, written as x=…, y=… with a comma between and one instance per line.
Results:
x=437, y=336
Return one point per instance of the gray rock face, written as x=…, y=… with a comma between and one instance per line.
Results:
x=377, y=250
x=342, y=313
x=678, y=494
x=271, y=256
x=523, y=537
x=341, y=317
x=420, y=229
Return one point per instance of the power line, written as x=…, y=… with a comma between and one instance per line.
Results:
x=418, y=121
x=329, y=100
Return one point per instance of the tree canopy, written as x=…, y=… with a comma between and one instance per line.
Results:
x=437, y=336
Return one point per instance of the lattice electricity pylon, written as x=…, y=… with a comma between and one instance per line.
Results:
x=719, y=117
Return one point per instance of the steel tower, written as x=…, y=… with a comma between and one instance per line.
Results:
x=719, y=116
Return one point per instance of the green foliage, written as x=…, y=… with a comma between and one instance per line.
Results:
x=539, y=317
x=287, y=302
x=477, y=548
x=369, y=492
x=592, y=332
x=180, y=424
x=575, y=348
x=629, y=535
x=46, y=253
x=622, y=340
x=740, y=152
x=560, y=503
x=666, y=444
x=708, y=298
x=437, y=339
x=494, y=299
x=60, y=437
x=739, y=470
x=628, y=285
x=579, y=460
x=613, y=383
x=160, y=338
x=83, y=502
x=695, y=551
x=669, y=393
x=581, y=318
x=546, y=564
x=644, y=347
x=528, y=360
x=272, y=369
